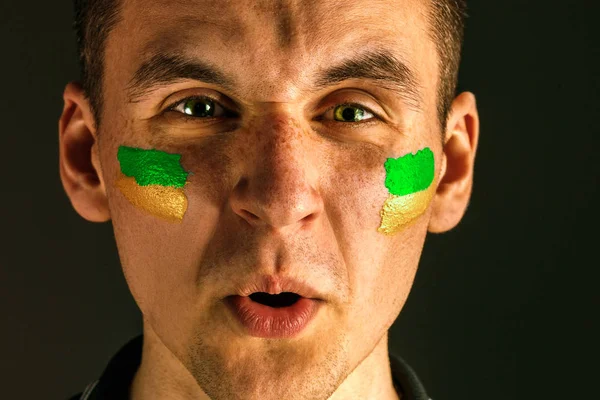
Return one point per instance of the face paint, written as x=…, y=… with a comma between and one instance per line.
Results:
x=408, y=180
x=153, y=181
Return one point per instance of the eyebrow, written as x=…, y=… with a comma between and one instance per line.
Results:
x=379, y=65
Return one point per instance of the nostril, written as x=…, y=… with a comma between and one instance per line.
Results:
x=249, y=215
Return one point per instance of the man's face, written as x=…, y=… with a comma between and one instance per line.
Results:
x=280, y=182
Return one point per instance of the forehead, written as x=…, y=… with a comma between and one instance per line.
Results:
x=272, y=40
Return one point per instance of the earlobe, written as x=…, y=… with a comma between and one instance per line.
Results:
x=456, y=179
x=79, y=163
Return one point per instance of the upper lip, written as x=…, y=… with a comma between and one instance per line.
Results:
x=273, y=284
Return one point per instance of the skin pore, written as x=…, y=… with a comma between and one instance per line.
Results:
x=277, y=185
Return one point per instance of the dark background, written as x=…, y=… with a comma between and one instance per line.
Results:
x=505, y=306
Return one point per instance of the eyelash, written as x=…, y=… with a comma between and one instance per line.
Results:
x=187, y=117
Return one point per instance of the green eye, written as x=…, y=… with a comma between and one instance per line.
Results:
x=204, y=108
x=197, y=107
x=351, y=112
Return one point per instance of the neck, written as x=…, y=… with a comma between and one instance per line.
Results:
x=161, y=376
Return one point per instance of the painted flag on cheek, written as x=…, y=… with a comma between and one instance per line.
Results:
x=153, y=181
x=408, y=180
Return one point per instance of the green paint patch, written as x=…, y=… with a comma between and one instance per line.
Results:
x=152, y=167
x=410, y=173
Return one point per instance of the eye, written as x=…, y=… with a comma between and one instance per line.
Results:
x=203, y=107
x=351, y=113
x=197, y=107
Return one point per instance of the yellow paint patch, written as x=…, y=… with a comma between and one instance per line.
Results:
x=164, y=202
x=399, y=212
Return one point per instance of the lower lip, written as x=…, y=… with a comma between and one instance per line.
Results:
x=273, y=323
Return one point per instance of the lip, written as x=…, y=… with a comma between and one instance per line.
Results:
x=273, y=284
x=273, y=323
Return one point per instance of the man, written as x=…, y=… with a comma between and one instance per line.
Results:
x=271, y=169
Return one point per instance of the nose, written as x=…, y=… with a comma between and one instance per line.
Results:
x=278, y=188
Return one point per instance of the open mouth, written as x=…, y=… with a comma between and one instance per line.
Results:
x=284, y=299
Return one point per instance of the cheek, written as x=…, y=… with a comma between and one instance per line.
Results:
x=175, y=181
x=167, y=203
x=355, y=190
x=409, y=181
x=153, y=181
x=390, y=193
x=399, y=212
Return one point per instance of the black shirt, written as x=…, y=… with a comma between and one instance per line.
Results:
x=117, y=377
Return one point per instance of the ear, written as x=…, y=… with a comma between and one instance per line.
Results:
x=79, y=161
x=454, y=190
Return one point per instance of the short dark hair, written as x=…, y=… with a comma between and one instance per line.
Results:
x=447, y=23
x=94, y=19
